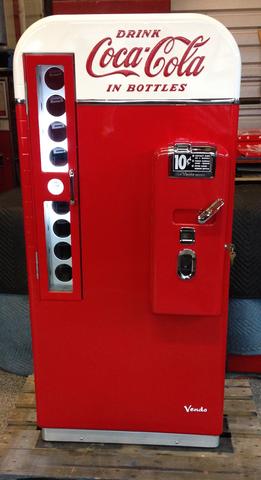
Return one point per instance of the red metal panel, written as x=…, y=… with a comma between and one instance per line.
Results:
x=27, y=196
x=110, y=6
x=108, y=361
x=177, y=203
x=40, y=179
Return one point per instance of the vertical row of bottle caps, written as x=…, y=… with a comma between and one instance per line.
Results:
x=54, y=158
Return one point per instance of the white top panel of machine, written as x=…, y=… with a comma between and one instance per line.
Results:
x=146, y=57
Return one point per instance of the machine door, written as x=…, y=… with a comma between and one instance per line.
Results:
x=51, y=109
x=191, y=191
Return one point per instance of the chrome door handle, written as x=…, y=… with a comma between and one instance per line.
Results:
x=209, y=212
x=72, y=192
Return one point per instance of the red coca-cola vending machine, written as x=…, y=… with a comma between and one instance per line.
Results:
x=127, y=131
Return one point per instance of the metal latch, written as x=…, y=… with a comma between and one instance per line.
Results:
x=72, y=190
x=36, y=265
x=209, y=212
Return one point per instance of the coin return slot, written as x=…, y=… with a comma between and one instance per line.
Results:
x=187, y=235
x=186, y=264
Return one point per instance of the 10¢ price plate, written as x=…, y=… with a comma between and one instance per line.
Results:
x=192, y=161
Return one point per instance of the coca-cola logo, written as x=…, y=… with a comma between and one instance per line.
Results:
x=170, y=55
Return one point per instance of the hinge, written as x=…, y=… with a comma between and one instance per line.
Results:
x=232, y=251
x=36, y=266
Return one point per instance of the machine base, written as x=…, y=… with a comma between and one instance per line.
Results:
x=142, y=438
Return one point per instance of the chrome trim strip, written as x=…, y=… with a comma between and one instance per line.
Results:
x=207, y=101
x=228, y=101
x=139, y=438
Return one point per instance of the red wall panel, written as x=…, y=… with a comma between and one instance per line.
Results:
x=110, y=6
x=6, y=166
x=244, y=363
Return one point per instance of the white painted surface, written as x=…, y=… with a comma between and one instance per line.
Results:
x=218, y=58
x=55, y=186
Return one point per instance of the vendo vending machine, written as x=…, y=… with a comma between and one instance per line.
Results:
x=127, y=129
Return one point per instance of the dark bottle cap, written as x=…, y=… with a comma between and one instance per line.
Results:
x=63, y=272
x=56, y=105
x=58, y=157
x=63, y=251
x=62, y=228
x=54, y=78
x=61, y=208
x=57, y=131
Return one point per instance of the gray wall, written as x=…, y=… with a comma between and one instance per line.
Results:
x=243, y=18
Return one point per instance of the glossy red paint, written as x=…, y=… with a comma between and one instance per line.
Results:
x=40, y=179
x=25, y=158
x=205, y=291
x=108, y=360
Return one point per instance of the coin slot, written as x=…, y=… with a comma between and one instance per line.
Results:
x=187, y=235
